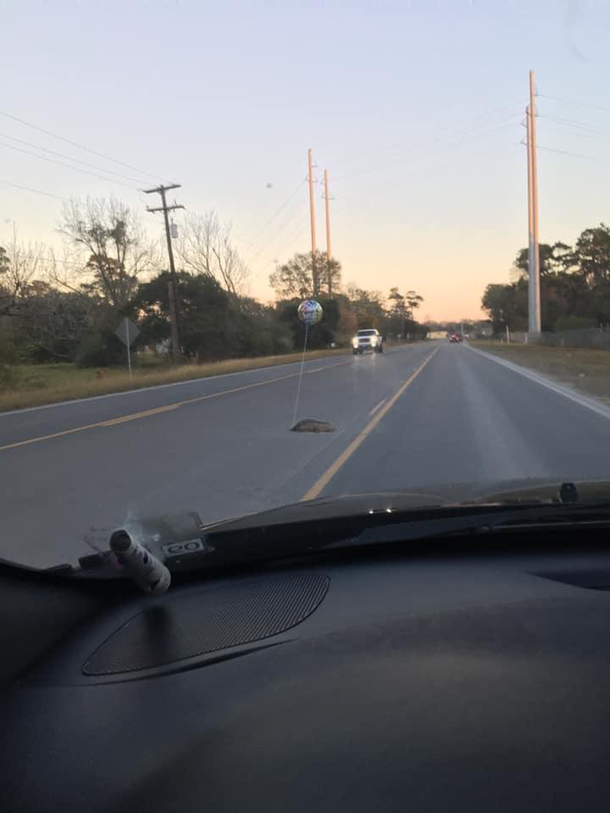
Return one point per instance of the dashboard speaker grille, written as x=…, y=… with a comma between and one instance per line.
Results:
x=207, y=620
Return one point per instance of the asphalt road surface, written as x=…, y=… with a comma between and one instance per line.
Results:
x=427, y=414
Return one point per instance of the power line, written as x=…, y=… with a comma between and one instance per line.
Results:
x=30, y=189
x=256, y=247
x=580, y=125
x=438, y=167
x=450, y=128
x=578, y=133
x=261, y=231
x=573, y=154
x=434, y=149
x=69, y=158
x=577, y=104
x=68, y=166
x=253, y=257
x=76, y=144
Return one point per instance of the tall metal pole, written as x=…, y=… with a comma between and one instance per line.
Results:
x=328, y=251
x=312, y=216
x=172, y=287
x=530, y=229
x=534, y=319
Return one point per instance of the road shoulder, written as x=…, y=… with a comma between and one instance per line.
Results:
x=595, y=404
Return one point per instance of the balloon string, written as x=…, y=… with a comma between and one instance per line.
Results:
x=296, y=403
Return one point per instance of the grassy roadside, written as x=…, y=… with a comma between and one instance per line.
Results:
x=584, y=369
x=39, y=384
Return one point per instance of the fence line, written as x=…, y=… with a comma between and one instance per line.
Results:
x=583, y=337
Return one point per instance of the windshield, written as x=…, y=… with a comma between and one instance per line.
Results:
x=206, y=205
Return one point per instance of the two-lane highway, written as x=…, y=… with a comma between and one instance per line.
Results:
x=428, y=414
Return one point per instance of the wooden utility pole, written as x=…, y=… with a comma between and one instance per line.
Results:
x=312, y=216
x=172, y=287
x=328, y=251
x=534, y=321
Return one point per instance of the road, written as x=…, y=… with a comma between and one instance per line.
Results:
x=425, y=414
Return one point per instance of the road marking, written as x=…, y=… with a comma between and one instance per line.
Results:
x=329, y=366
x=158, y=410
x=328, y=475
x=136, y=415
x=586, y=401
x=159, y=387
x=374, y=409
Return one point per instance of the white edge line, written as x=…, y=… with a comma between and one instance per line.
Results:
x=165, y=386
x=156, y=387
x=582, y=400
x=375, y=408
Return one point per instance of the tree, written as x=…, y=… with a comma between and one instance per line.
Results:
x=204, y=247
x=117, y=249
x=367, y=306
x=55, y=322
x=400, y=314
x=591, y=255
x=295, y=278
x=213, y=323
x=554, y=259
x=506, y=305
x=18, y=265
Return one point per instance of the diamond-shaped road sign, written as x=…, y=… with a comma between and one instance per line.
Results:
x=127, y=332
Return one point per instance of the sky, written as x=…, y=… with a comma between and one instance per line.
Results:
x=415, y=109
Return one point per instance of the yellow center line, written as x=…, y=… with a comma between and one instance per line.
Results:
x=136, y=415
x=158, y=410
x=330, y=472
x=375, y=408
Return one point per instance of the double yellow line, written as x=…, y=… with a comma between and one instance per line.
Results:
x=330, y=472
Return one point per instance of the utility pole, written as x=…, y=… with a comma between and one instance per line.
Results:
x=172, y=288
x=312, y=216
x=328, y=252
x=530, y=226
x=534, y=322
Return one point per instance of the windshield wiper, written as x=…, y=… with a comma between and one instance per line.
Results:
x=183, y=544
x=226, y=546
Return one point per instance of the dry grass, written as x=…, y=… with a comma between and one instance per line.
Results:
x=35, y=385
x=582, y=368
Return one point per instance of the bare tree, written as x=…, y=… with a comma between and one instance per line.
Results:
x=204, y=247
x=111, y=235
x=19, y=264
x=295, y=277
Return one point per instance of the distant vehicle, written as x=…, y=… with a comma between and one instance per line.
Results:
x=369, y=339
x=455, y=338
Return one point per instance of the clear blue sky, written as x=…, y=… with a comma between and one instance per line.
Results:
x=226, y=97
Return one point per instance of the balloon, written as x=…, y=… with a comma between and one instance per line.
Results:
x=310, y=312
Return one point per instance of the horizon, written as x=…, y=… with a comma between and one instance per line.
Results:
x=415, y=111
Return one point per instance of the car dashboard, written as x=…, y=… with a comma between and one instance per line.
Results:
x=366, y=680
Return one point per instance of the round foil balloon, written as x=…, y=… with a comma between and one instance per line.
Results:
x=310, y=312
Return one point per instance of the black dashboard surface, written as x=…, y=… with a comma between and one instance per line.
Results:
x=441, y=683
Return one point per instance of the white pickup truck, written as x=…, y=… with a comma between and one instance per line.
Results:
x=369, y=339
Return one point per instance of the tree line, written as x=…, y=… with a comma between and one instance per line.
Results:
x=66, y=307
x=574, y=286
